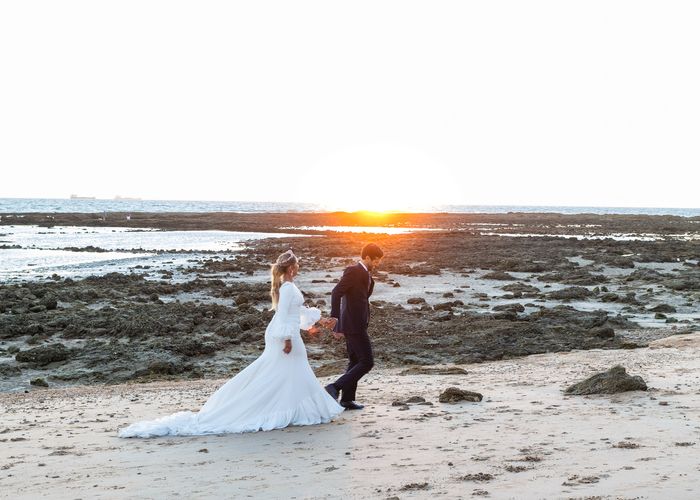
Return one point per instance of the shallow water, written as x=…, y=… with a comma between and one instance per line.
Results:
x=44, y=250
x=118, y=238
x=612, y=236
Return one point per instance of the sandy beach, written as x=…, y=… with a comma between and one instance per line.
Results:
x=524, y=440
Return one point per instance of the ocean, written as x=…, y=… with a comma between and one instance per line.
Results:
x=46, y=205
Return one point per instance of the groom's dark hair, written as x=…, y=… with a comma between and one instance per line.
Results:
x=372, y=251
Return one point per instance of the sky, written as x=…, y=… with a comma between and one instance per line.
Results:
x=354, y=105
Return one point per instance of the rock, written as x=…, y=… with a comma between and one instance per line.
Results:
x=229, y=330
x=194, y=347
x=49, y=302
x=683, y=284
x=447, y=306
x=618, y=261
x=434, y=370
x=410, y=400
x=454, y=395
x=37, y=339
x=39, y=382
x=9, y=371
x=522, y=289
x=516, y=307
x=250, y=321
x=481, y=476
x=521, y=266
x=34, y=329
x=612, y=381
x=506, y=315
x=44, y=355
x=571, y=293
x=630, y=298
x=609, y=297
x=499, y=275
x=442, y=316
x=162, y=368
x=663, y=308
x=645, y=275
x=332, y=368
x=416, y=300
x=415, y=399
x=603, y=332
x=626, y=445
x=574, y=277
x=414, y=487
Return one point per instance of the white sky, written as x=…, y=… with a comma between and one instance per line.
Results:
x=353, y=104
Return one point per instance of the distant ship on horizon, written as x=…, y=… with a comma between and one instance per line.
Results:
x=127, y=198
x=76, y=197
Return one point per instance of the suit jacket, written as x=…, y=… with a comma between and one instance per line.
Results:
x=350, y=301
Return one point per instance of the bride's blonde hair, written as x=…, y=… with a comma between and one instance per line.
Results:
x=279, y=268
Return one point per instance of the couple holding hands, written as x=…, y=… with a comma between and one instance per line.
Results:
x=279, y=388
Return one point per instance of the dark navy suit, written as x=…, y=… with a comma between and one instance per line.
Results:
x=350, y=305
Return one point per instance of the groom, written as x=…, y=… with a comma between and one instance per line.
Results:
x=350, y=308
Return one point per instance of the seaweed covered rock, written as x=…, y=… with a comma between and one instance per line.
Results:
x=612, y=381
x=455, y=395
x=44, y=355
x=571, y=293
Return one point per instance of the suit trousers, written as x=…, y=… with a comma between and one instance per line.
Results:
x=361, y=361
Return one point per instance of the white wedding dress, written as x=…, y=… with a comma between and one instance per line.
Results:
x=276, y=390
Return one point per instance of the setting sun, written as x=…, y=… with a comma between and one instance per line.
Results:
x=381, y=178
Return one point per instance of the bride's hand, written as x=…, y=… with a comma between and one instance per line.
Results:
x=287, y=346
x=328, y=323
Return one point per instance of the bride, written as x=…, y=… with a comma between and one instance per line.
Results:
x=277, y=390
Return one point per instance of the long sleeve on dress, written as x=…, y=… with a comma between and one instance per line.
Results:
x=309, y=316
x=284, y=330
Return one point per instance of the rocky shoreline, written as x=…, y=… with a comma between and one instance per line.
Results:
x=467, y=291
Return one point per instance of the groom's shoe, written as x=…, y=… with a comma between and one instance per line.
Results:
x=351, y=405
x=330, y=389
